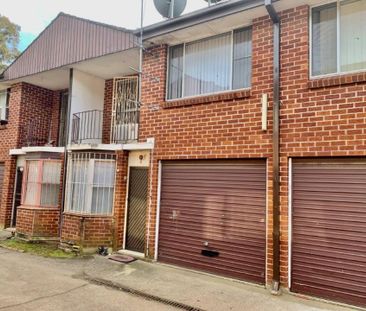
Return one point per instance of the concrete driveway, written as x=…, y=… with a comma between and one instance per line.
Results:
x=35, y=283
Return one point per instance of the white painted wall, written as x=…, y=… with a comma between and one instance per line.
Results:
x=139, y=158
x=87, y=94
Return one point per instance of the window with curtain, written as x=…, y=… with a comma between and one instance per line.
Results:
x=42, y=183
x=339, y=37
x=4, y=105
x=90, y=184
x=211, y=65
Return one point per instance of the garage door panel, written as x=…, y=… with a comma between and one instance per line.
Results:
x=327, y=226
x=325, y=263
x=212, y=202
x=332, y=215
x=235, y=242
x=236, y=252
x=343, y=275
x=329, y=229
x=218, y=202
x=212, y=232
x=208, y=267
x=330, y=243
x=231, y=209
x=216, y=218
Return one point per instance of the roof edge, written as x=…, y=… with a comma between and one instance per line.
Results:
x=198, y=17
x=95, y=22
x=51, y=23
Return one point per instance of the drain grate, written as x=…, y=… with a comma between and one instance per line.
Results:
x=141, y=294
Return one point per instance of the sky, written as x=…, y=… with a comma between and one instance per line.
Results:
x=34, y=15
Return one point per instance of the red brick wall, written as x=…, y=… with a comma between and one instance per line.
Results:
x=87, y=231
x=35, y=222
x=93, y=231
x=38, y=221
x=9, y=137
x=26, y=103
x=36, y=107
x=210, y=127
x=107, y=111
x=326, y=117
x=316, y=121
x=55, y=116
x=120, y=197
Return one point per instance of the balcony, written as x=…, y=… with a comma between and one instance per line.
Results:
x=87, y=127
x=36, y=133
x=125, y=122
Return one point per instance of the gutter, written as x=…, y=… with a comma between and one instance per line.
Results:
x=276, y=144
x=198, y=17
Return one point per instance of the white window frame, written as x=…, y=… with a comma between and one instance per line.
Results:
x=89, y=187
x=39, y=183
x=338, y=72
x=167, y=99
x=6, y=113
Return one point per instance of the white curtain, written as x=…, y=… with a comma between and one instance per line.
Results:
x=175, y=72
x=50, y=183
x=103, y=187
x=78, y=185
x=242, y=59
x=353, y=35
x=324, y=40
x=208, y=66
x=32, y=183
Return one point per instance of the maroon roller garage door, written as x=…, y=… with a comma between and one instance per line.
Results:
x=329, y=229
x=212, y=217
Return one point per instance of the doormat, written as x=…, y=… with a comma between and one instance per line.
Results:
x=122, y=258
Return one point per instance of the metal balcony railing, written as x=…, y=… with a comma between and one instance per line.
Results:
x=35, y=133
x=87, y=127
x=125, y=122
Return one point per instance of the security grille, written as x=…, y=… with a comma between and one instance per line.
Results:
x=125, y=110
x=90, y=183
x=136, y=215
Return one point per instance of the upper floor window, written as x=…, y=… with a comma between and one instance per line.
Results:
x=211, y=65
x=338, y=37
x=4, y=106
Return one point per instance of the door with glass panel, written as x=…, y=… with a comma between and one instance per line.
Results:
x=136, y=209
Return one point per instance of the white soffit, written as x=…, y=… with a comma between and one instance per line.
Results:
x=228, y=23
x=105, y=67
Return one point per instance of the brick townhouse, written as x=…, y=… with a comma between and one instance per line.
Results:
x=244, y=156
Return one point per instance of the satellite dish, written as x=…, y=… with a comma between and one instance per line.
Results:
x=170, y=8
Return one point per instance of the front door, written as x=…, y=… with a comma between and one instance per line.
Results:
x=136, y=209
x=18, y=194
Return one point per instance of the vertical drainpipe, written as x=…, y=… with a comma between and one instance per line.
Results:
x=68, y=119
x=276, y=144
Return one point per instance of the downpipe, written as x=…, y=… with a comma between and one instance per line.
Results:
x=276, y=145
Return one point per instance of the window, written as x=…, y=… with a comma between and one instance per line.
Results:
x=4, y=106
x=215, y=64
x=42, y=183
x=339, y=37
x=90, y=183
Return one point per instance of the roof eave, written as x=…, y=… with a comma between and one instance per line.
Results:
x=198, y=17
